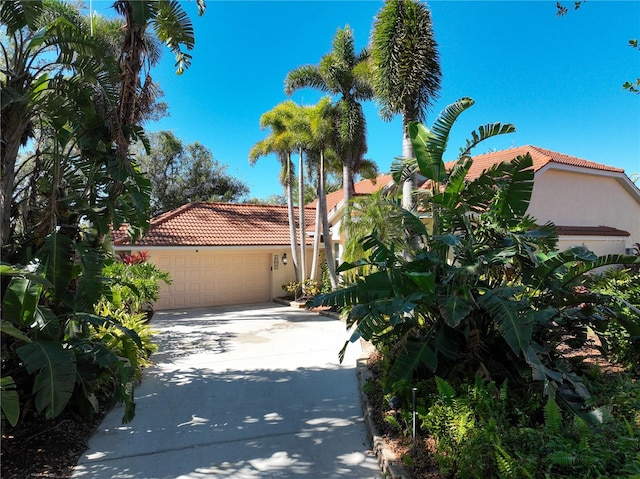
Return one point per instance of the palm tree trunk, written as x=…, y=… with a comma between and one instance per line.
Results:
x=322, y=205
x=303, y=242
x=316, y=244
x=292, y=220
x=131, y=59
x=407, y=152
x=12, y=134
x=348, y=188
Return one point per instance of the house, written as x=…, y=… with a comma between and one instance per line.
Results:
x=218, y=254
x=335, y=209
x=592, y=204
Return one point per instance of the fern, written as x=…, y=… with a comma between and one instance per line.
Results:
x=552, y=416
x=561, y=458
x=506, y=465
x=446, y=392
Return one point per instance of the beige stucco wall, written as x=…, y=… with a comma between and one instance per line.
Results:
x=206, y=276
x=601, y=246
x=570, y=198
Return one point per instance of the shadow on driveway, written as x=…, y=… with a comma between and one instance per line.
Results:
x=240, y=393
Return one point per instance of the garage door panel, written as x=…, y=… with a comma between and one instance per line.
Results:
x=214, y=279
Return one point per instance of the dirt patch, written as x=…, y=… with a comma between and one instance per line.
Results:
x=46, y=449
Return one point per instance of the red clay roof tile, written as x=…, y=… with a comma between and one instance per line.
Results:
x=217, y=224
x=364, y=187
x=540, y=156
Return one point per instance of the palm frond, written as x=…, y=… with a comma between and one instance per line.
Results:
x=174, y=28
x=306, y=76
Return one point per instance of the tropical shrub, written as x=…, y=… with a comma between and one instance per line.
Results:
x=478, y=435
x=480, y=289
x=621, y=290
x=135, y=283
x=297, y=289
x=120, y=342
x=48, y=348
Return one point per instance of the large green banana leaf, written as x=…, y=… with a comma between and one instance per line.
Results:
x=20, y=301
x=56, y=374
x=9, y=401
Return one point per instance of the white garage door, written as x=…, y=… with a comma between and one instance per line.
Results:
x=213, y=279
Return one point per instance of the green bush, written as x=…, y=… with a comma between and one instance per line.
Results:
x=621, y=342
x=135, y=283
x=478, y=434
x=117, y=339
x=297, y=290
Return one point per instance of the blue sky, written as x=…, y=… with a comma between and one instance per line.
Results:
x=557, y=79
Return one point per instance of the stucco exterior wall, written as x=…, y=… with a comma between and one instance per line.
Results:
x=602, y=245
x=570, y=198
x=215, y=276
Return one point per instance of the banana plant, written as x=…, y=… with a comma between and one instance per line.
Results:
x=484, y=292
x=47, y=320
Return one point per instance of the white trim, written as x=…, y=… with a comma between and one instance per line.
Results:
x=592, y=238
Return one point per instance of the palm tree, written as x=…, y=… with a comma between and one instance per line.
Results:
x=321, y=124
x=345, y=73
x=405, y=68
x=281, y=141
x=173, y=28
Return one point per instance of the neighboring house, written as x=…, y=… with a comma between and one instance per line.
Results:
x=218, y=254
x=591, y=204
x=335, y=209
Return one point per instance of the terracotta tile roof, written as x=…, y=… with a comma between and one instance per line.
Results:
x=591, y=231
x=364, y=187
x=540, y=156
x=218, y=224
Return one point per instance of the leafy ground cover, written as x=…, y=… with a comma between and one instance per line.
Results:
x=454, y=440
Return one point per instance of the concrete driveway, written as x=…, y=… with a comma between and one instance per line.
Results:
x=240, y=393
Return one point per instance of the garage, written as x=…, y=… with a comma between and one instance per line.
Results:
x=218, y=254
x=209, y=278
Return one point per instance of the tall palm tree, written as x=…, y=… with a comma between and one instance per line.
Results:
x=322, y=144
x=405, y=68
x=173, y=28
x=345, y=73
x=281, y=141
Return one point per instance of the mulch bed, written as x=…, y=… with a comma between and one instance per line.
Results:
x=46, y=449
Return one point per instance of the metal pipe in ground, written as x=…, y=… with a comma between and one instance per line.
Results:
x=415, y=395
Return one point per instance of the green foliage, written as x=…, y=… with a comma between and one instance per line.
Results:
x=325, y=281
x=54, y=370
x=55, y=349
x=135, y=286
x=620, y=340
x=406, y=65
x=120, y=341
x=9, y=400
x=479, y=288
x=342, y=72
x=182, y=174
x=306, y=288
x=483, y=431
